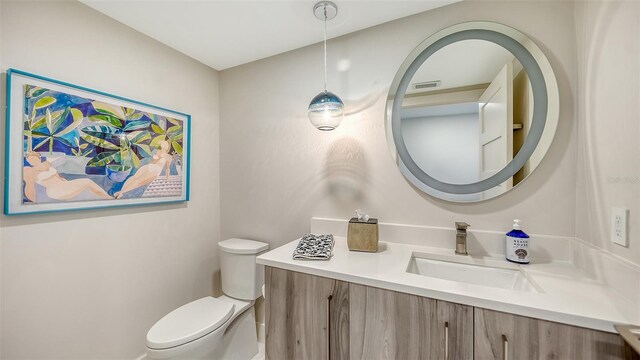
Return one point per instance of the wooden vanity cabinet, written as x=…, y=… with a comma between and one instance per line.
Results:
x=505, y=336
x=390, y=325
x=458, y=322
x=310, y=317
x=304, y=315
x=386, y=324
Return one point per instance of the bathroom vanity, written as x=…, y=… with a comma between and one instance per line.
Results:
x=313, y=317
x=415, y=302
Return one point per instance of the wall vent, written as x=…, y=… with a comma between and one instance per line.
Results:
x=426, y=85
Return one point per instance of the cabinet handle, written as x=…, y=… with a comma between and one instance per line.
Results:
x=446, y=340
x=329, y=326
x=505, y=347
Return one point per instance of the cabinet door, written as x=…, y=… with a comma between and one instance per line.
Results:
x=303, y=312
x=456, y=335
x=390, y=325
x=510, y=337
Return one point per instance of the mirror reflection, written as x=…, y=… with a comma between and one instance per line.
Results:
x=466, y=114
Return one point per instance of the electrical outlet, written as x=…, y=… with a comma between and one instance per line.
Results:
x=619, y=218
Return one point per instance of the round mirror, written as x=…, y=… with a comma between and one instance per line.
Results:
x=472, y=112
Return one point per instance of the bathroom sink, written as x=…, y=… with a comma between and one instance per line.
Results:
x=465, y=269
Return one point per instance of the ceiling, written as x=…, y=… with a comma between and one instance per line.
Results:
x=223, y=34
x=463, y=63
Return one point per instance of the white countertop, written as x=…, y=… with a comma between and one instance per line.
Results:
x=569, y=297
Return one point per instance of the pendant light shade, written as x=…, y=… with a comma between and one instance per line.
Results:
x=326, y=109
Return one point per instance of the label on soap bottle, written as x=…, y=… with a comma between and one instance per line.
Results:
x=517, y=247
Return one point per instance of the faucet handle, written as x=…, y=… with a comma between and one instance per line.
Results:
x=462, y=225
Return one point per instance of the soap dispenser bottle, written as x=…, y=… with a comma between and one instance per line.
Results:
x=517, y=244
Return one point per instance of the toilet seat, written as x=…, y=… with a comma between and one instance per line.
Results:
x=189, y=322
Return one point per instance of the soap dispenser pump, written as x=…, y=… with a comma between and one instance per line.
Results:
x=517, y=244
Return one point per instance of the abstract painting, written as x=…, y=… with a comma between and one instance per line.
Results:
x=72, y=148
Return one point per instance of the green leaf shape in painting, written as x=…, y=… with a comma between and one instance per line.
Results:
x=174, y=132
x=99, y=130
x=177, y=147
x=49, y=121
x=102, y=129
x=38, y=92
x=137, y=137
x=101, y=143
x=38, y=122
x=59, y=120
x=54, y=119
x=127, y=157
x=156, y=141
x=136, y=125
x=136, y=116
x=133, y=114
x=80, y=146
x=174, y=121
x=44, y=102
x=33, y=115
x=154, y=118
x=106, y=118
x=104, y=158
x=39, y=134
x=77, y=119
x=136, y=159
x=109, y=109
x=157, y=129
x=144, y=149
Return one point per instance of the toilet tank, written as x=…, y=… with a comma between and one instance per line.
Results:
x=242, y=278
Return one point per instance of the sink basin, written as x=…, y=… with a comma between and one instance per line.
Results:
x=483, y=272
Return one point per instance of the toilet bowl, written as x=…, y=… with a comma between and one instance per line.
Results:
x=216, y=328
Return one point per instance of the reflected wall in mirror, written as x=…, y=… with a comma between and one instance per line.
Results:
x=472, y=111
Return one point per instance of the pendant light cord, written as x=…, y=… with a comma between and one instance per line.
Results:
x=325, y=48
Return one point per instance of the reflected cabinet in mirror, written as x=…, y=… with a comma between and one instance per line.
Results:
x=472, y=112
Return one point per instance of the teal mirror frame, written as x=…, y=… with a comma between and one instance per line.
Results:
x=545, y=112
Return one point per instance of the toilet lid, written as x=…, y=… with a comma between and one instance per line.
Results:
x=189, y=322
x=242, y=246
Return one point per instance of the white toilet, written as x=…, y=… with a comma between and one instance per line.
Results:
x=216, y=328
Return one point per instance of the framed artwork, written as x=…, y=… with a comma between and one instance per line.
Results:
x=69, y=147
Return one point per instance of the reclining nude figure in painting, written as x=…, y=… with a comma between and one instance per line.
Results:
x=147, y=173
x=58, y=188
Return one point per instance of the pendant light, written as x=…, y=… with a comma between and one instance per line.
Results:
x=326, y=110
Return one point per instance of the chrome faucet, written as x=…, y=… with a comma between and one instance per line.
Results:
x=461, y=238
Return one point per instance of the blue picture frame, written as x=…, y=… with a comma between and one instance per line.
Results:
x=69, y=147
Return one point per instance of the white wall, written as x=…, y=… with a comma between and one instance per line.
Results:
x=446, y=147
x=89, y=284
x=277, y=171
x=608, y=37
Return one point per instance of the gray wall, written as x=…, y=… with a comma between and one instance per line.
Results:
x=608, y=37
x=277, y=171
x=89, y=284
